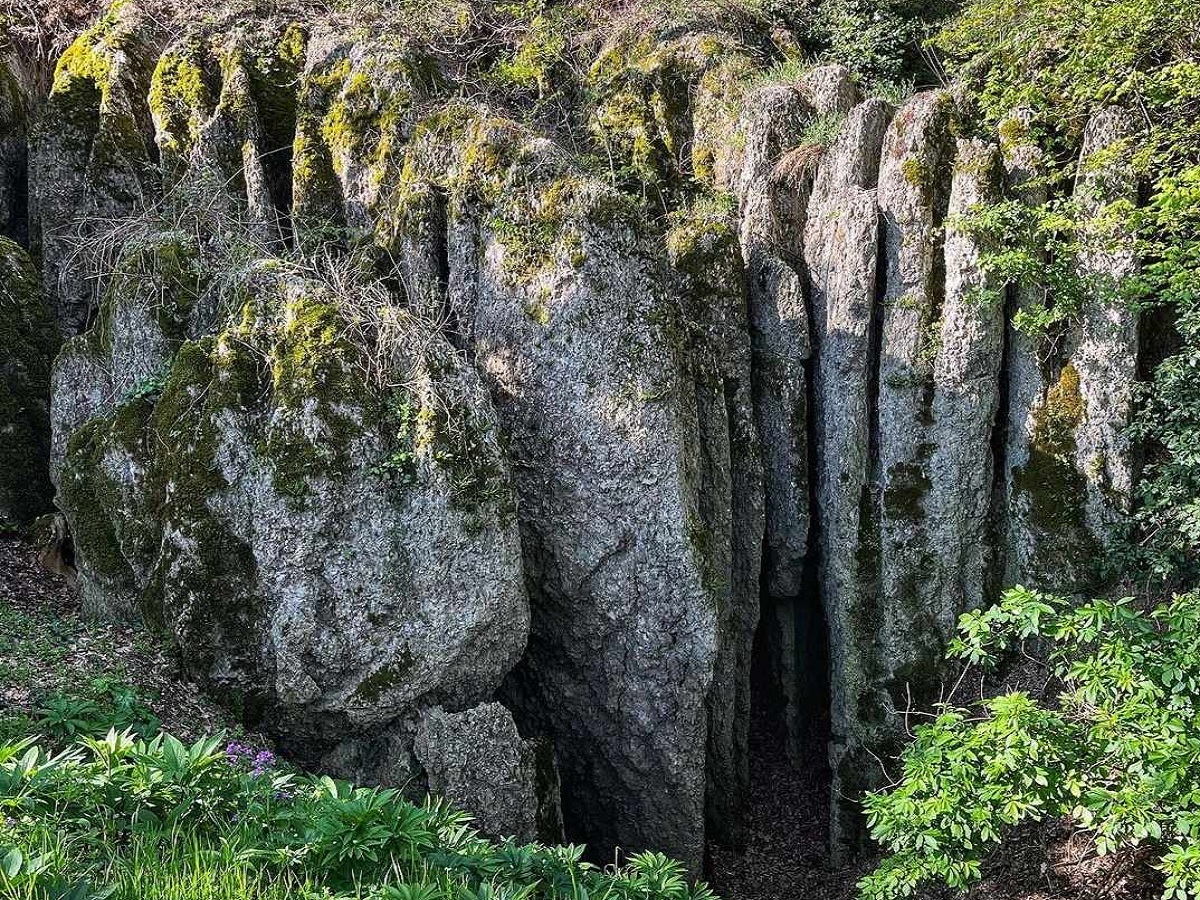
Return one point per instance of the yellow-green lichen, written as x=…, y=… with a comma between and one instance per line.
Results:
x=1059, y=415
x=643, y=115
x=915, y=172
x=88, y=80
x=180, y=98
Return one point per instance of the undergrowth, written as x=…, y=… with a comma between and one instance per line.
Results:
x=122, y=817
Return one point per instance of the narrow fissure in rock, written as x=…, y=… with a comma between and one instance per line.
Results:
x=451, y=321
x=785, y=851
x=16, y=191
x=995, y=573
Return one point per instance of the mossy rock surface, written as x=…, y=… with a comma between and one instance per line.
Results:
x=322, y=560
x=94, y=158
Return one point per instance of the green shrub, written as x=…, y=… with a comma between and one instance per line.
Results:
x=1118, y=750
x=877, y=40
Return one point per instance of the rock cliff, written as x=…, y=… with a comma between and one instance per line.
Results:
x=430, y=437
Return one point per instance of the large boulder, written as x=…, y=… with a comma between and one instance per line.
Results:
x=326, y=529
x=478, y=761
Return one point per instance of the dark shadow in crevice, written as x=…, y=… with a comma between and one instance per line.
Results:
x=450, y=316
x=16, y=176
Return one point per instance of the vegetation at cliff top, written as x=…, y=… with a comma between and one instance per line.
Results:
x=547, y=46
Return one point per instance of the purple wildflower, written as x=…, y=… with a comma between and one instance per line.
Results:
x=244, y=756
x=263, y=761
x=237, y=752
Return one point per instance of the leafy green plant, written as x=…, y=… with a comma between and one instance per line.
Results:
x=401, y=462
x=110, y=704
x=1117, y=750
x=194, y=821
x=878, y=39
x=68, y=717
x=149, y=386
x=1035, y=247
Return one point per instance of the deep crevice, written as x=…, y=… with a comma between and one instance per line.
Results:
x=453, y=326
x=788, y=812
x=17, y=178
x=997, y=565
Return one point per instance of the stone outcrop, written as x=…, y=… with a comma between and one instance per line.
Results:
x=841, y=256
x=1030, y=539
x=331, y=545
x=773, y=122
x=1104, y=347
x=622, y=381
x=1072, y=466
x=91, y=161
x=626, y=507
x=478, y=761
x=224, y=111
x=459, y=459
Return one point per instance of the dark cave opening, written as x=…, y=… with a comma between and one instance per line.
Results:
x=786, y=849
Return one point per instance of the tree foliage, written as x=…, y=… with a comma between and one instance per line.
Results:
x=1058, y=62
x=1115, y=745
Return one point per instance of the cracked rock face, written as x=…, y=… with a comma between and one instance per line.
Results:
x=91, y=162
x=840, y=252
x=604, y=430
x=463, y=463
